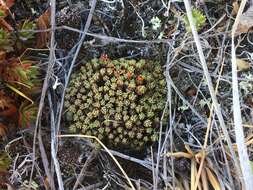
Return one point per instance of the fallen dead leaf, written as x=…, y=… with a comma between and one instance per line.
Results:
x=245, y=22
x=2, y=55
x=2, y=130
x=242, y=64
x=179, y=155
x=191, y=91
x=235, y=8
x=5, y=8
x=43, y=23
x=9, y=112
x=10, y=3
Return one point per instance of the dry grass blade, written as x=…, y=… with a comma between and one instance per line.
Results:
x=213, y=180
x=242, y=150
x=108, y=151
x=204, y=180
x=193, y=173
x=184, y=185
x=211, y=88
x=19, y=93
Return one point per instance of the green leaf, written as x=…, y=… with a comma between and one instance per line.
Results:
x=6, y=42
x=1, y=13
x=27, y=25
x=27, y=114
x=5, y=162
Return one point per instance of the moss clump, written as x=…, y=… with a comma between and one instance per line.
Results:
x=117, y=101
x=198, y=18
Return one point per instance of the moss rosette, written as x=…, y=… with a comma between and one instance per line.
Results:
x=119, y=101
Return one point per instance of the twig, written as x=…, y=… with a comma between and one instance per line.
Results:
x=91, y=187
x=53, y=145
x=45, y=161
x=46, y=82
x=142, y=21
x=114, y=39
x=91, y=157
x=168, y=78
x=145, y=164
x=160, y=144
x=153, y=169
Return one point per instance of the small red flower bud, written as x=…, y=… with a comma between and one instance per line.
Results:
x=129, y=75
x=140, y=78
x=104, y=57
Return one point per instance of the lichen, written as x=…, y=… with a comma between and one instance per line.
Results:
x=119, y=101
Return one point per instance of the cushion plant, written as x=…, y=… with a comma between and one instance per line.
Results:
x=119, y=101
